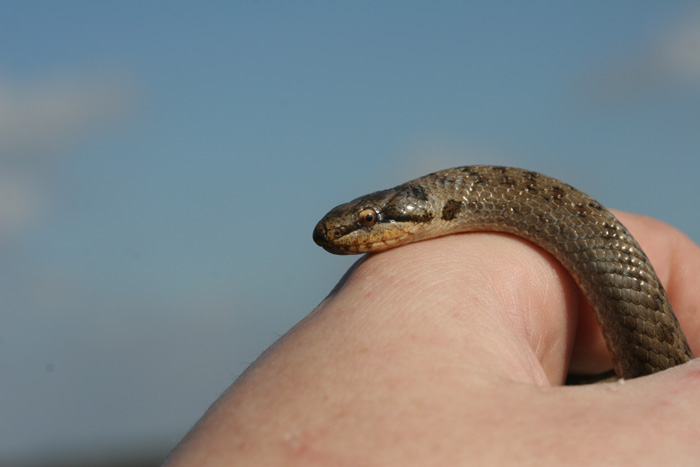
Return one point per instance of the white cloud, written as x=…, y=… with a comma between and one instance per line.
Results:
x=678, y=50
x=19, y=203
x=668, y=60
x=38, y=118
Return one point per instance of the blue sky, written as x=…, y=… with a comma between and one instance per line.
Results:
x=162, y=165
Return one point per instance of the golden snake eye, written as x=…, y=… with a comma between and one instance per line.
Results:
x=368, y=217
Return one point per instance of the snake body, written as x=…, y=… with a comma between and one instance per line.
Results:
x=641, y=332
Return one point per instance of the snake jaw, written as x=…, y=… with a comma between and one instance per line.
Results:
x=344, y=240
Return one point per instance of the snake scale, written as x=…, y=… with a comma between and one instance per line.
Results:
x=641, y=332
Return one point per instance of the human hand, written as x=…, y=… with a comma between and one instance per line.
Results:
x=450, y=352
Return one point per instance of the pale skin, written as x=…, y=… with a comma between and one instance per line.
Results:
x=452, y=352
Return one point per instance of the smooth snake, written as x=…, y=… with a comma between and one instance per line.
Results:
x=641, y=332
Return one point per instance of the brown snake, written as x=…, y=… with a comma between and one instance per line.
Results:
x=630, y=304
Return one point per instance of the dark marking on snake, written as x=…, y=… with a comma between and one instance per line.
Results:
x=405, y=217
x=418, y=192
x=558, y=192
x=529, y=185
x=451, y=209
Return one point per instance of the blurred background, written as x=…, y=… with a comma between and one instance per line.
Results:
x=162, y=165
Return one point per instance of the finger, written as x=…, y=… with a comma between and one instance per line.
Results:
x=676, y=260
x=502, y=304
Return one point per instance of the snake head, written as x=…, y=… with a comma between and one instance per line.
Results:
x=375, y=222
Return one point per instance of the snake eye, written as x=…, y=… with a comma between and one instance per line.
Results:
x=367, y=217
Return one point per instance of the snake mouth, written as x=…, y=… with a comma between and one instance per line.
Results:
x=335, y=240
